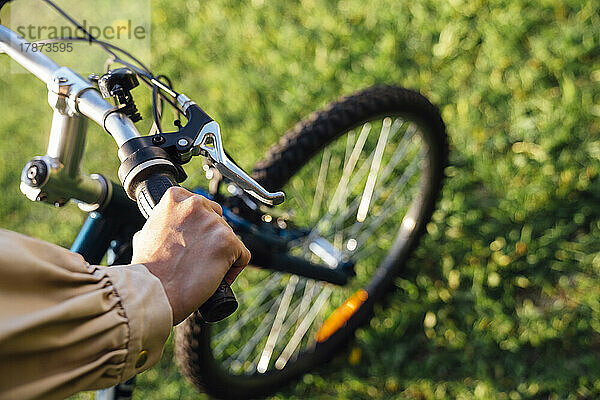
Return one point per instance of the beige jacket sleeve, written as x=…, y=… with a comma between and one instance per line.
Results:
x=66, y=326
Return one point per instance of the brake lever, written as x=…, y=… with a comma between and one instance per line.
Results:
x=211, y=146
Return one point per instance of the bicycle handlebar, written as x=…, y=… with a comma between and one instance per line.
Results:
x=147, y=168
x=68, y=86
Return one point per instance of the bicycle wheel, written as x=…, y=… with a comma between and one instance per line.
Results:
x=363, y=175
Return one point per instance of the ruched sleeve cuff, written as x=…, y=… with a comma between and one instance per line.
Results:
x=148, y=311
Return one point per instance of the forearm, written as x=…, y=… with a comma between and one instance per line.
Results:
x=66, y=326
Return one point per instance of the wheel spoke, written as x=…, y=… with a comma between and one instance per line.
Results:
x=342, y=187
x=298, y=197
x=365, y=201
x=306, y=299
x=238, y=357
x=261, y=285
x=234, y=331
x=397, y=188
x=399, y=153
x=276, y=328
x=318, y=197
x=388, y=209
x=294, y=318
x=362, y=172
x=289, y=350
x=397, y=157
x=349, y=146
x=253, y=309
x=367, y=233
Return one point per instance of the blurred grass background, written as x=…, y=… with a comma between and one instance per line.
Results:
x=502, y=298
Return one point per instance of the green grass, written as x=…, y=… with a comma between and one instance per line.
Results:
x=501, y=300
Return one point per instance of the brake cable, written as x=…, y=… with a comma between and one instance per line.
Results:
x=158, y=88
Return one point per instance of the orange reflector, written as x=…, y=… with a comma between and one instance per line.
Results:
x=341, y=314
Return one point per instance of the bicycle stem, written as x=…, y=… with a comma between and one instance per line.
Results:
x=56, y=178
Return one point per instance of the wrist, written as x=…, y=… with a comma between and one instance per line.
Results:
x=171, y=290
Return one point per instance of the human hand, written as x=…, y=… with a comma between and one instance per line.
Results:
x=188, y=245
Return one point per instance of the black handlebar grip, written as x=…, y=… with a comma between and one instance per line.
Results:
x=148, y=193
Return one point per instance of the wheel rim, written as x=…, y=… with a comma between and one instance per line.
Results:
x=366, y=183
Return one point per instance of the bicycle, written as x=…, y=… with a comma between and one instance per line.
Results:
x=318, y=268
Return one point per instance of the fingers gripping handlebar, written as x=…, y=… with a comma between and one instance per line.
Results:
x=148, y=193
